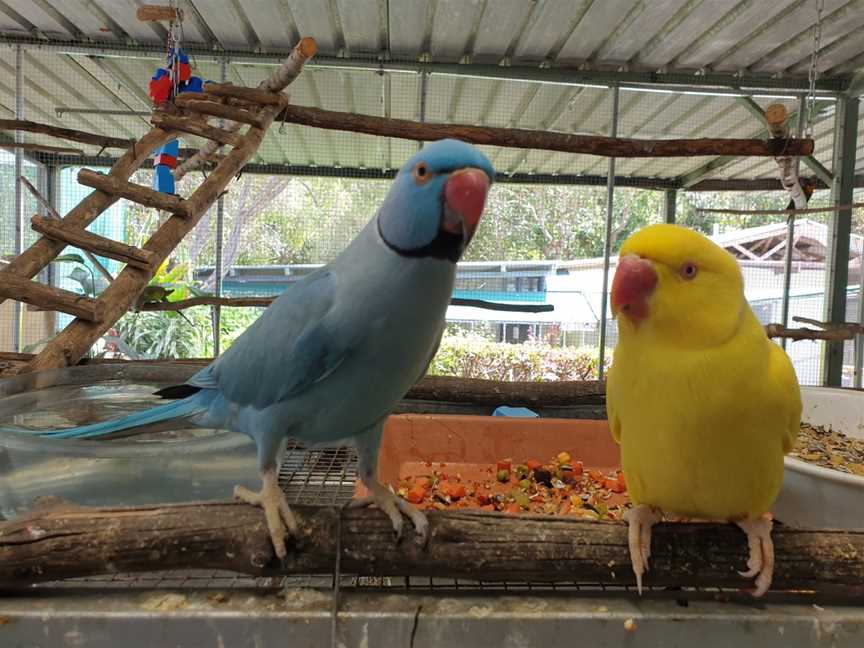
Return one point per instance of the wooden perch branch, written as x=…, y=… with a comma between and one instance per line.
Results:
x=183, y=304
x=266, y=301
x=475, y=391
x=760, y=212
x=65, y=133
x=827, y=330
x=60, y=540
x=543, y=140
x=43, y=148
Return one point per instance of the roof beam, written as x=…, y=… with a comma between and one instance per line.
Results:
x=815, y=165
x=549, y=74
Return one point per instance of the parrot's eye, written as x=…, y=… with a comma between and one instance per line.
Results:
x=421, y=173
x=688, y=270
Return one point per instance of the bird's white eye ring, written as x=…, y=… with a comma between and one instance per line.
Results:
x=421, y=172
x=688, y=270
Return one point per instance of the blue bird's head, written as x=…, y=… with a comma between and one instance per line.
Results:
x=435, y=203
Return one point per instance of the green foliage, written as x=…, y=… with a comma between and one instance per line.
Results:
x=165, y=334
x=468, y=355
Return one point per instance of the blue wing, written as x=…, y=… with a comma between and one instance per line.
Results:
x=288, y=349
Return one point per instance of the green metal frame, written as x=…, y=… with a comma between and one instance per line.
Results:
x=837, y=276
x=670, y=206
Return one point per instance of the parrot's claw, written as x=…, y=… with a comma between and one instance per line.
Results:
x=388, y=502
x=640, y=518
x=280, y=518
x=761, y=560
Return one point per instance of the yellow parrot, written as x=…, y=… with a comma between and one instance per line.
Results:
x=702, y=403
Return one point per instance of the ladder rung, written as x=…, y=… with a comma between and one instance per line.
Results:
x=256, y=95
x=85, y=240
x=137, y=193
x=220, y=110
x=195, y=127
x=50, y=298
x=181, y=101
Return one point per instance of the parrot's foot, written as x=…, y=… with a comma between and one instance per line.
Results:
x=640, y=518
x=761, y=561
x=387, y=501
x=276, y=510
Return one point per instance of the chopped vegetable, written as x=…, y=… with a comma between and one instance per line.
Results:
x=543, y=476
x=550, y=488
x=564, y=458
x=452, y=490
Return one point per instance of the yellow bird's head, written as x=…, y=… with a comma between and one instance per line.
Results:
x=676, y=284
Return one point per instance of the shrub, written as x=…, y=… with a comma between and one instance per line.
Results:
x=468, y=355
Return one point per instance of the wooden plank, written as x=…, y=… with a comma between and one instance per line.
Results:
x=93, y=242
x=142, y=195
x=65, y=133
x=196, y=127
x=255, y=95
x=157, y=13
x=34, y=259
x=220, y=110
x=544, y=140
x=50, y=298
x=74, y=541
x=73, y=342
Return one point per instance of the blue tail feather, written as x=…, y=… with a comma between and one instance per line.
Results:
x=192, y=405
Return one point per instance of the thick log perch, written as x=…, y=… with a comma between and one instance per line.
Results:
x=59, y=540
x=65, y=133
x=543, y=140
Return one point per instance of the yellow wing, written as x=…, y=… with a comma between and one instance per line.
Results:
x=788, y=393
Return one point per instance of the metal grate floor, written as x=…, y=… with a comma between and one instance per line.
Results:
x=322, y=476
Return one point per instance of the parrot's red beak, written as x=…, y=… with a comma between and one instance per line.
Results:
x=635, y=280
x=464, y=199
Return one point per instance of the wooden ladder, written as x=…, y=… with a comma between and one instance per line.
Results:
x=254, y=108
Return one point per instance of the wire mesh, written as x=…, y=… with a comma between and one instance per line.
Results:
x=307, y=191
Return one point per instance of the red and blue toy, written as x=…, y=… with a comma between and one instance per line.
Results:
x=165, y=84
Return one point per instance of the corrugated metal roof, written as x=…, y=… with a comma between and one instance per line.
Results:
x=668, y=36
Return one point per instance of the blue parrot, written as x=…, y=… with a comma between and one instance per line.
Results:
x=329, y=358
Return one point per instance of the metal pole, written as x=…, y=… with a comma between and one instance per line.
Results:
x=670, y=205
x=859, y=339
x=837, y=275
x=790, y=238
x=424, y=80
x=17, y=312
x=607, y=241
x=216, y=313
